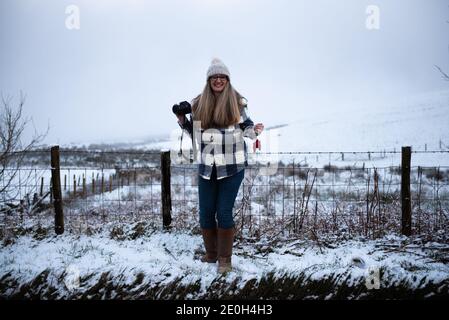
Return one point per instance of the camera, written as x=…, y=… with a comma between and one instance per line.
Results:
x=182, y=108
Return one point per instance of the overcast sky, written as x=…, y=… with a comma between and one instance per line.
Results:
x=118, y=75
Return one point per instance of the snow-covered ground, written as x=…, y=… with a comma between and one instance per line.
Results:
x=416, y=121
x=131, y=268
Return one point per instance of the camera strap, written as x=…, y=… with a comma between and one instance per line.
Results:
x=190, y=158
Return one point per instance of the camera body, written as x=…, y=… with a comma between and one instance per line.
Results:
x=182, y=108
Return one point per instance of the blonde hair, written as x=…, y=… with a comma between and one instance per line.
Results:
x=220, y=112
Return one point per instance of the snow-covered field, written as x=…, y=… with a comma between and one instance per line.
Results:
x=415, y=121
x=164, y=265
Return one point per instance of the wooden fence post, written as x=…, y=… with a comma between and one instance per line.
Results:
x=93, y=183
x=74, y=186
x=165, y=189
x=84, y=185
x=405, y=192
x=42, y=187
x=56, y=186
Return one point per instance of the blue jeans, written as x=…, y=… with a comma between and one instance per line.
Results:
x=218, y=196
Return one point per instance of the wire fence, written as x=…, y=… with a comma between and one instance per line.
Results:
x=291, y=198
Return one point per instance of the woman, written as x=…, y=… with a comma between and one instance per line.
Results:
x=219, y=114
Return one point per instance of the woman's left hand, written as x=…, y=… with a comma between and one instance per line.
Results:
x=258, y=128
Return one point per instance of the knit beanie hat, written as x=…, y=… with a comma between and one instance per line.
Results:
x=217, y=67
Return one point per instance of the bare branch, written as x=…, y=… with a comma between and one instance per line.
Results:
x=444, y=75
x=12, y=150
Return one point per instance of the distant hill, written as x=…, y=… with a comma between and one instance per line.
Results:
x=415, y=121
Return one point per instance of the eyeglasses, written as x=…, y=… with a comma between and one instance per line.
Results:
x=219, y=76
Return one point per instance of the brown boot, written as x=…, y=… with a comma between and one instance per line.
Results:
x=210, y=244
x=225, y=243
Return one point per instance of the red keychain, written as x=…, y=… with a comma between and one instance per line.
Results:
x=256, y=145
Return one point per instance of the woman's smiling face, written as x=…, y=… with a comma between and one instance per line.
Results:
x=218, y=82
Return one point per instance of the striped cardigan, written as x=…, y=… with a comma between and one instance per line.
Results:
x=224, y=148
